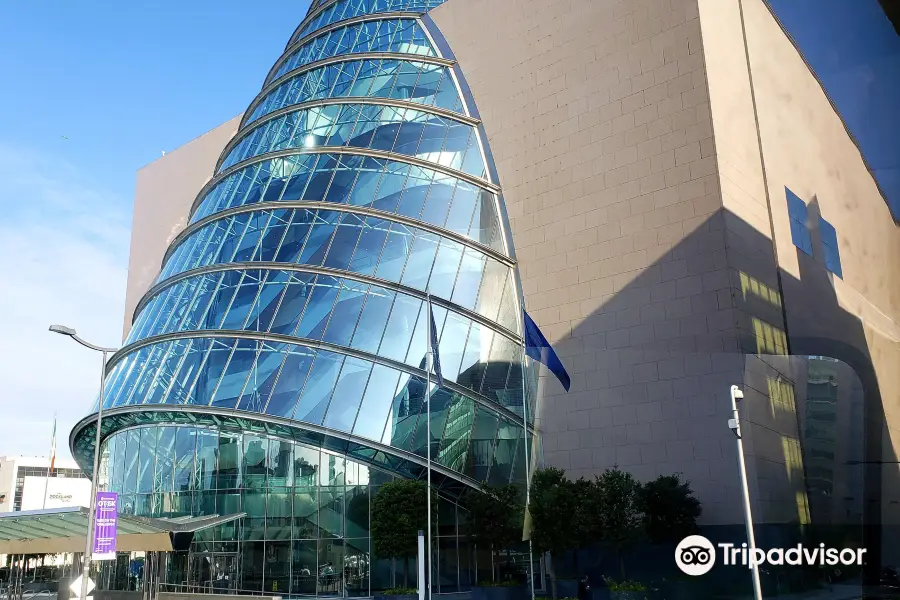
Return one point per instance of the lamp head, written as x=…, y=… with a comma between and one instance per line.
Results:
x=62, y=330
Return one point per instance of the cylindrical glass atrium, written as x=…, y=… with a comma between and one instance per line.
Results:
x=277, y=365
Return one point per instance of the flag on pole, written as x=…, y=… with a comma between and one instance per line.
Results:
x=52, y=448
x=538, y=348
x=435, y=355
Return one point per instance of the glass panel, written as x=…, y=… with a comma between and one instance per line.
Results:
x=421, y=259
x=347, y=394
x=457, y=433
x=373, y=319
x=290, y=381
x=306, y=467
x=235, y=376
x=331, y=560
x=317, y=393
x=319, y=307
x=254, y=467
x=262, y=377
x=404, y=412
x=292, y=304
x=483, y=439
x=303, y=564
x=229, y=463
x=376, y=403
x=400, y=327
x=346, y=311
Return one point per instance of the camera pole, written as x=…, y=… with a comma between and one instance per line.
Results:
x=735, y=425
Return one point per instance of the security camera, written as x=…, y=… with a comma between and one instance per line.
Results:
x=737, y=393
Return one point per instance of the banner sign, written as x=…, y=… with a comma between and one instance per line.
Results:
x=105, y=526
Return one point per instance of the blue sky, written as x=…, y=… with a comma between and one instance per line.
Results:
x=855, y=51
x=122, y=81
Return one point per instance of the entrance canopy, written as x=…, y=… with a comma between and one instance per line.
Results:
x=63, y=530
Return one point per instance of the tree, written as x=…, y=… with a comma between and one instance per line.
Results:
x=621, y=515
x=554, y=512
x=588, y=522
x=670, y=509
x=399, y=512
x=495, y=517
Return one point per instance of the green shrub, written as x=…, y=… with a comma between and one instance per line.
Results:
x=624, y=586
x=508, y=583
x=400, y=591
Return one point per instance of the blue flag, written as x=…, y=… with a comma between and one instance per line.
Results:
x=538, y=348
x=435, y=355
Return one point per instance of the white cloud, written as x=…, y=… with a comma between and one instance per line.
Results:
x=63, y=259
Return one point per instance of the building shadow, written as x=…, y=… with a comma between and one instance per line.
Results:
x=651, y=369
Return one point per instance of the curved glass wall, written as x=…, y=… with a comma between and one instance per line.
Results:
x=367, y=245
x=308, y=512
x=326, y=389
x=290, y=316
x=343, y=312
x=402, y=36
x=405, y=131
x=427, y=195
x=347, y=9
x=415, y=81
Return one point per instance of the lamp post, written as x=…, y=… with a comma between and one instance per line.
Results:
x=89, y=537
x=735, y=425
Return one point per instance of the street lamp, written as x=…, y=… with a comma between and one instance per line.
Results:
x=734, y=424
x=89, y=538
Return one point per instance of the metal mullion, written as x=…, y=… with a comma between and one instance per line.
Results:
x=140, y=375
x=330, y=312
x=263, y=278
x=473, y=395
x=177, y=371
x=362, y=397
x=237, y=288
x=287, y=353
x=458, y=265
x=312, y=285
x=187, y=307
x=234, y=345
x=218, y=283
x=148, y=325
x=290, y=275
x=239, y=237
x=315, y=217
x=477, y=181
x=287, y=225
x=487, y=475
x=254, y=366
x=262, y=230
x=327, y=100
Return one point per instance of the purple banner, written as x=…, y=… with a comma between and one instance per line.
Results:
x=105, y=526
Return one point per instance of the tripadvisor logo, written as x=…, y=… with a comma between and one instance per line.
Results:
x=696, y=555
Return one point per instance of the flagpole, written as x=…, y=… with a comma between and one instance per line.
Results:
x=428, y=361
x=527, y=462
x=52, y=460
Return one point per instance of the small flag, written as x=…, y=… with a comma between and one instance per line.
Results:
x=538, y=348
x=52, y=448
x=435, y=355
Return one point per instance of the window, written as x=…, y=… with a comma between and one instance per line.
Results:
x=798, y=215
x=830, y=246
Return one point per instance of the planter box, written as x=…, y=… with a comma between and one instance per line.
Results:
x=499, y=593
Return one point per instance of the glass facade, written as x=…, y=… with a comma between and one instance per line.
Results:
x=277, y=365
x=308, y=511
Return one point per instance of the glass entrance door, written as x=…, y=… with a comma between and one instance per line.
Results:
x=213, y=572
